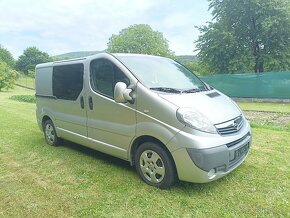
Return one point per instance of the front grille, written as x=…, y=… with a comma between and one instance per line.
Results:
x=231, y=126
x=238, y=141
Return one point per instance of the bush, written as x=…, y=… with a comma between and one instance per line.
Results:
x=7, y=76
x=31, y=73
x=24, y=98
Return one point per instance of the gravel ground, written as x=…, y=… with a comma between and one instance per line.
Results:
x=268, y=118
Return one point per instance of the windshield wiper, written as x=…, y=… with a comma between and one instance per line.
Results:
x=166, y=89
x=191, y=90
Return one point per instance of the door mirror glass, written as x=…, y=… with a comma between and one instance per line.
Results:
x=122, y=93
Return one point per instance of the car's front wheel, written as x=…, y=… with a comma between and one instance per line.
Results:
x=155, y=165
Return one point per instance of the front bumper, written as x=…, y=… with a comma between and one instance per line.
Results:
x=201, y=165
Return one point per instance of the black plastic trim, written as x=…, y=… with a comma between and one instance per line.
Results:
x=46, y=96
x=207, y=159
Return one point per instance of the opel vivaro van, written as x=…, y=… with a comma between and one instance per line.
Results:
x=148, y=110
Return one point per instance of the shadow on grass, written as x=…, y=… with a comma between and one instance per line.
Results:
x=98, y=155
x=203, y=188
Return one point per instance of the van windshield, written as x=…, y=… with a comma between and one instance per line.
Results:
x=163, y=74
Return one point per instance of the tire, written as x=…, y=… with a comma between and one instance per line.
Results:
x=154, y=165
x=50, y=135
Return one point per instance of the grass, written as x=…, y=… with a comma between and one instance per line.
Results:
x=269, y=120
x=40, y=180
x=268, y=107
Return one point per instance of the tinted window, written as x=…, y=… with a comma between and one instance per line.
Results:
x=105, y=75
x=67, y=81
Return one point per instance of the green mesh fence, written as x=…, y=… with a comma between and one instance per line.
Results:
x=252, y=85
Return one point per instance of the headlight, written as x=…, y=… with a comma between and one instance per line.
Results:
x=194, y=119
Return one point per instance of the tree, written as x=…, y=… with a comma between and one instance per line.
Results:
x=140, y=39
x=246, y=35
x=6, y=57
x=30, y=58
x=7, y=76
x=193, y=64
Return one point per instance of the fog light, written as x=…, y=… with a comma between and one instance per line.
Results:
x=211, y=174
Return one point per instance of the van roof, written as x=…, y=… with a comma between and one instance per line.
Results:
x=48, y=64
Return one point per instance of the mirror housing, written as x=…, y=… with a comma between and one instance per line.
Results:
x=122, y=93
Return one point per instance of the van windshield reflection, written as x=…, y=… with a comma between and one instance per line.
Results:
x=162, y=74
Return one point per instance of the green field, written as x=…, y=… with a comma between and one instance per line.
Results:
x=267, y=107
x=37, y=180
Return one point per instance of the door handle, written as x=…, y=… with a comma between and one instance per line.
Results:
x=82, y=102
x=91, y=105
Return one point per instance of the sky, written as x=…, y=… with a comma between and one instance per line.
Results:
x=61, y=26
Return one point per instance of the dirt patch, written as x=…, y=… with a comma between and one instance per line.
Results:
x=268, y=118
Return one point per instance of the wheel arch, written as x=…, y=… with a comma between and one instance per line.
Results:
x=44, y=119
x=146, y=138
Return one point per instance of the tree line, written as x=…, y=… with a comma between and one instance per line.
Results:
x=243, y=36
x=246, y=36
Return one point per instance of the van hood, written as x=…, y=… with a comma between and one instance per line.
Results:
x=214, y=105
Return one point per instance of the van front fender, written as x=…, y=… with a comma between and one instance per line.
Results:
x=161, y=131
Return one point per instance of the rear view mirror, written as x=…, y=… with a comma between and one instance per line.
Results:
x=122, y=93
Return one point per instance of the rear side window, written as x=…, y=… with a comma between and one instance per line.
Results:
x=67, y=81
x=104, y=75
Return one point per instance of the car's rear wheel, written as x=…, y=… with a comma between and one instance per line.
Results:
x=50, y=135
x=155, y=165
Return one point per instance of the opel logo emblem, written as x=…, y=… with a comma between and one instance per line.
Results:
x=236, y=124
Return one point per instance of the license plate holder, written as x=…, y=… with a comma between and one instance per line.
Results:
x=241, y=151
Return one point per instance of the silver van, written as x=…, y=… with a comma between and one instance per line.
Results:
x=148, y=110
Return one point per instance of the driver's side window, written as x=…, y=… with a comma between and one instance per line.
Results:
x=104, y=75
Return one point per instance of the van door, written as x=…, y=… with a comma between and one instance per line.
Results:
x=110, y=125
x=68, y=108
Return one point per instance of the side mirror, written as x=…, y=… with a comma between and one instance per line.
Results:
x=122, y=93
